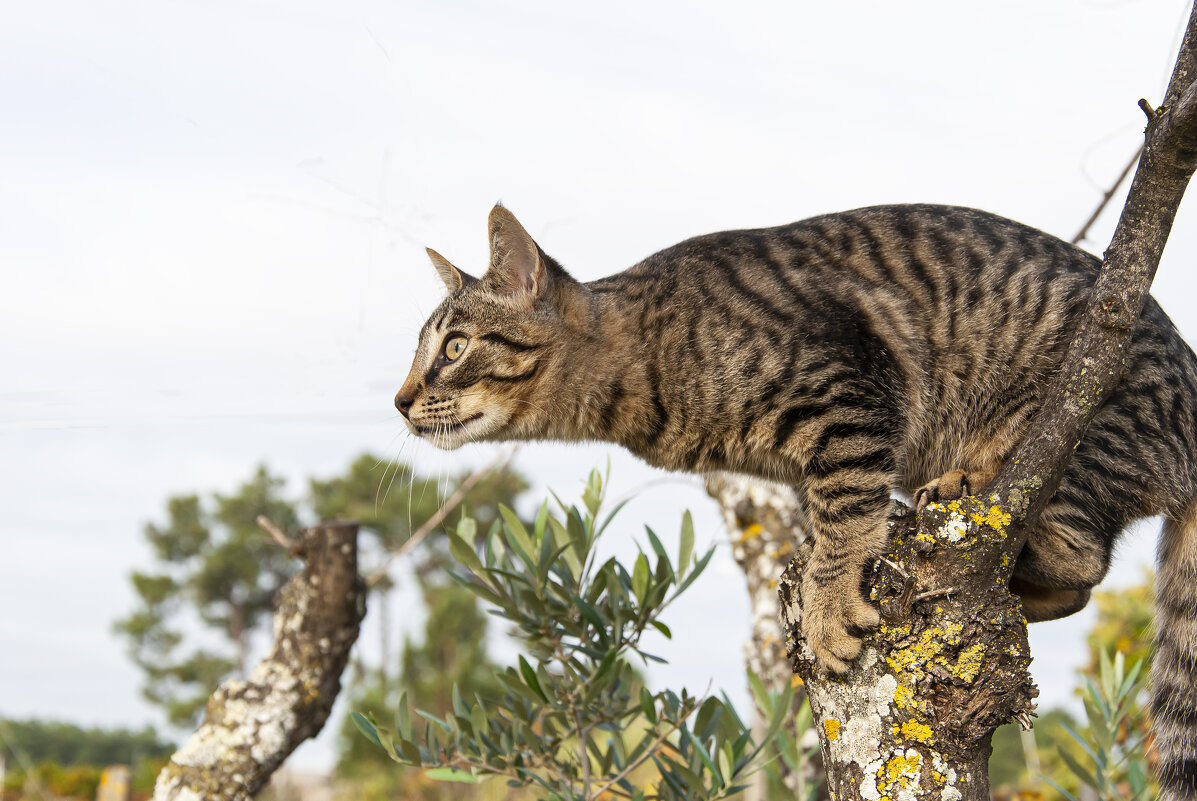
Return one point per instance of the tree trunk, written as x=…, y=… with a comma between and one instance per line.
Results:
x=252, y=725
x=767, y=525
x=913, y=717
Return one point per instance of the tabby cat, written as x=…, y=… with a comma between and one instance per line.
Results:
x=853, y=355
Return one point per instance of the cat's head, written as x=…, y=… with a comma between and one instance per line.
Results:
x=491, y=347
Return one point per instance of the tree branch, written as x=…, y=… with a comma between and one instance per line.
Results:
x=914, y=716
x=1108, y=196
x=251, y=726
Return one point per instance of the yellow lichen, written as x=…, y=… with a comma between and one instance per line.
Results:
x=902, y=771
x=903, y=695
x=913, y=730
x=928, y=648
x=969, y=664
x=832, y=727
x=995, y=518
x=751, y=532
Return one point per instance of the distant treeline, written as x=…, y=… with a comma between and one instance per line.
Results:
x=37, y=741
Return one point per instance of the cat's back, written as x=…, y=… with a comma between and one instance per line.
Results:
x=957, y=310
x=934, y=255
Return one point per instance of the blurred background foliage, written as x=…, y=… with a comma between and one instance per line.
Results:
x=208, y=593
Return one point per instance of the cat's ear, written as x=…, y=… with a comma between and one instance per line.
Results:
x=516, y=268
x=454, y=278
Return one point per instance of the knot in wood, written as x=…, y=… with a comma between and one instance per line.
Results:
x=1115, y=313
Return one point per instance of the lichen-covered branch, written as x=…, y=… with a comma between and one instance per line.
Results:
x=766, y=524
x=914, y=716
x=251, y=726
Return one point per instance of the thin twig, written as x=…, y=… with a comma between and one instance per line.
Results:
x=275, y=532
x=440, y=514
x=1105, y=200
x=923, y=596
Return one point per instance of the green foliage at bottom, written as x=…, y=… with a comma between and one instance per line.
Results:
x=571, y=720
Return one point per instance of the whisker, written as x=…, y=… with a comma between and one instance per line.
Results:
x=398, y=467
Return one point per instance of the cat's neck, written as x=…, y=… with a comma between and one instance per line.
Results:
x=607, y=389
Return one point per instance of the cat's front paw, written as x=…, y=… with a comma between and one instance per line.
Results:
x=834, y=619
x=948, y=487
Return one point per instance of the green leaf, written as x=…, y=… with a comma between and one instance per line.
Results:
x=578, y=531
x=708, y=717
x=464, y=552
x=725, y=764
x=661, y=627
x=699, y=566
x=445, y=727
x=759, y=693
x=451, y=775
x=686, y=549
x=530, y=678
x=592, y=496
x=1080, y=772
x=640, y=577
x=467, y=529
x=590, y=613
x=545, y=559
x=403, y=717
x=410, y=752
x=648, y=705
x=570, y=554
x=603, y=672
x=655, y=542
x=781, y=713
x=518, y=536
x=367, y=728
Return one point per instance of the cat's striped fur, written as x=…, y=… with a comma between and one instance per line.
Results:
x=853, y=355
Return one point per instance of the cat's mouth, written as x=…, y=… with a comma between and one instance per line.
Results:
x=443, y=432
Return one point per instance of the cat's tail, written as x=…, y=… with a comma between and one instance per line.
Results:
x=1174, y=670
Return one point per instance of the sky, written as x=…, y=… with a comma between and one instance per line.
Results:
x=213, y=215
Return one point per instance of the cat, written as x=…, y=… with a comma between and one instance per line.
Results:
x=853, y=355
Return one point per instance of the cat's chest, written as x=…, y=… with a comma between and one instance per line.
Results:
x=692, y=452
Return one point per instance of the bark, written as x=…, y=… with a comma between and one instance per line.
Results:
x=252, y=725
x=914, y=716
x=766, y=524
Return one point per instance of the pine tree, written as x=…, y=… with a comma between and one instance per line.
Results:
x=213, y=568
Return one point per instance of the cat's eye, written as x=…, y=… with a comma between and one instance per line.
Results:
x=454, y=347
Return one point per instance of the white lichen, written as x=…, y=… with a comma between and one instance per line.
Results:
x=954, y=528
x=861, y=732
x=950, y=791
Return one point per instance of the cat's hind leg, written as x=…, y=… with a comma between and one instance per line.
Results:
x=1174, y=668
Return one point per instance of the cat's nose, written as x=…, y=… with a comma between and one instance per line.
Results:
x=403, y=403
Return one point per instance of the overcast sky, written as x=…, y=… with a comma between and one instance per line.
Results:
x=213, y=214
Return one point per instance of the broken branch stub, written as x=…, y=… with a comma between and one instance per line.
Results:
x=252, y=725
